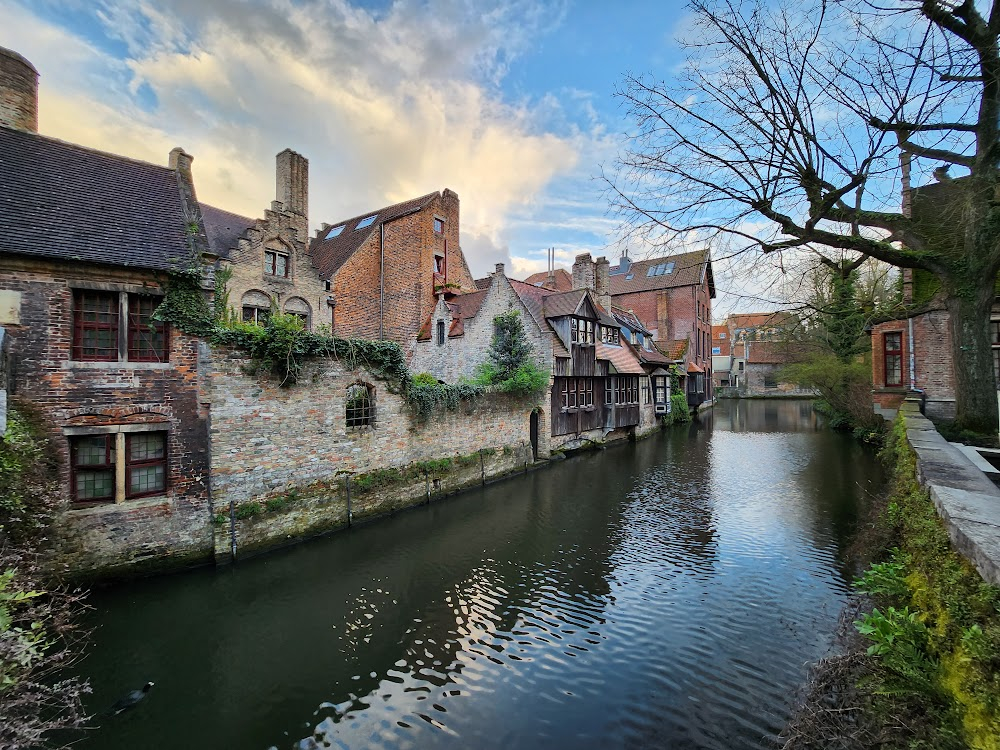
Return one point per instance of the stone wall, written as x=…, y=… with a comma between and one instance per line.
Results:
x=267, y=441
x=18, y=92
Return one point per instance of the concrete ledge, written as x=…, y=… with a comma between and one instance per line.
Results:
x=967, y=501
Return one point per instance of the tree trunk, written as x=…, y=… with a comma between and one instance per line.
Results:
x=972, y=357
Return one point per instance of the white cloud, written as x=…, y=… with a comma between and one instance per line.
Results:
x=386, y=106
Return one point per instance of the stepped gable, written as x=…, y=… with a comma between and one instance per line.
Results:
x=224, y=229
x=330, y=253
x=60, y=200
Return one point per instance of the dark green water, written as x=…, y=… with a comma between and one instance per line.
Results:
x=663, y=594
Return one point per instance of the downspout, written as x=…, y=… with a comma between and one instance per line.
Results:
x=913, y=359
x=381, y=282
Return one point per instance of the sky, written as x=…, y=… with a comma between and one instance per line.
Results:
x=510, y=104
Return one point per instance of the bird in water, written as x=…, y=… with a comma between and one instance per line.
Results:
x=130, y=700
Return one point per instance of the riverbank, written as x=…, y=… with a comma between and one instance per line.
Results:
x=920, y=661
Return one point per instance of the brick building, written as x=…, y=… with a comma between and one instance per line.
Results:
x=673, y=296
x=86, y=242
x=386, y=267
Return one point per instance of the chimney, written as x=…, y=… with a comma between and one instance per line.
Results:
x=499, y=269
x=583, y=272
x=292, y=177
x=625, y=263
x=603, y=283
x=18, y=92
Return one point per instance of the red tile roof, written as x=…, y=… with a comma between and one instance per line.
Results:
x=622, y=357
x=758, y=320
x=687, y=270
x=722, y=341
x=330, y=254
x=462, y=306
x=563, y=279
x=675, y=350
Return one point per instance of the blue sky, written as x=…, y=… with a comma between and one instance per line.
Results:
x=510, y=104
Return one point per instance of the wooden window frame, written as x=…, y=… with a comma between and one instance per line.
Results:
x=892, y=354
x=108, y=465
x=609, y=391
x=139, y=326
x=81, y=326
x=271, y=263
x=131, y=464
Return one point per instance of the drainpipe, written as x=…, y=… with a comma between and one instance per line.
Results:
x=381, y=282
x=913, y=360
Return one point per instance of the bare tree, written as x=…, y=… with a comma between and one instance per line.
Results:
x=786, y=128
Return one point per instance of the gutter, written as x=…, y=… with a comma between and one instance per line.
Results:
x=381, y=282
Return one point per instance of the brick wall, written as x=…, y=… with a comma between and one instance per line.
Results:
x=410, y=244
x=156, y=531
x=933, y=372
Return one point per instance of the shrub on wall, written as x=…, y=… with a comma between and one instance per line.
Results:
x=509, y=366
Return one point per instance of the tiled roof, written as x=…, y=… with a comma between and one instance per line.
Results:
x=686, y=271
x=622, y=357
x=330, y=254
x=758, y=320
x=59, y=200
x=675, y=350
x=483, y=283
x=533, y=298
x=224, y=229
x=563, y=279
x=628, y=319
x=655, y=356
x=462, y=306
x=559, y=304
x=723, y=341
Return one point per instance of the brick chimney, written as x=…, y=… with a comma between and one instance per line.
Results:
x=18, y=92
x=292, y=178
x=603, y=283
x=583, y=272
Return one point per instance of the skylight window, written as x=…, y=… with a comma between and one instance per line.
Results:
x=334, y=232
x=366, y=222
x=660, y=269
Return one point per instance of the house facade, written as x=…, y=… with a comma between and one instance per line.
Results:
x=672, y=296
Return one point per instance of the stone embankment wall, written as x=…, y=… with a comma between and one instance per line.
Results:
x=281, y=456
x=967, y=501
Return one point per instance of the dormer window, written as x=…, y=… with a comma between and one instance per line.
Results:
x=276, y=264
x=610, y=335
x=581, y=331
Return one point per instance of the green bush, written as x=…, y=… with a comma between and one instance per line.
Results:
x=248, y=510
x=28, y=496
x=424, y=378
x=509, y=366
x=679, y=411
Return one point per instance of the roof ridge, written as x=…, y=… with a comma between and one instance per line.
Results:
x=421, y=199
x=226, y=211
x=89, y=149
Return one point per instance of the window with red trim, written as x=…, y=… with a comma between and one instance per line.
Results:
x=95, y=326
x=92, y=461
x=145, y=463
x=892, y=343
x=147, y=338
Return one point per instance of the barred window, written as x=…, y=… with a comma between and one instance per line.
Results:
x=360, y=407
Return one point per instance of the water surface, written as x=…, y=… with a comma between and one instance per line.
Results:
x=668, y=593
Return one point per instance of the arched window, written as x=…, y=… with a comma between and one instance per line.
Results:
x=256, y=307
x=360, y=405
x=300, y=309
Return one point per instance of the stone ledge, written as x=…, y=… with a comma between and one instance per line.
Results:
x=967, y=501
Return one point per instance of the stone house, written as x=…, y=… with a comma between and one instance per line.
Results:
x=386, y=268
x=87, y=240
x=269, y=258
x=723, y=362
x=673, y=296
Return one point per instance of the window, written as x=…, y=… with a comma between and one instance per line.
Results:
x=609, y=391
x=275, y=263
x=716, y=350
x=722, y=335
x=367, y=221
x=335, y=231
x=627, y=389
x=893, y=349
x=256, y=307
x=147, y=338
x=635, y=338
x=360, y=405
x=645, y=391
x=739, y=366
x=577, y=393
x=95, y=326
x=438, y=225
x=98, y=333
x=770, y=380
x=438, y=264
x=610, y=335
x=581, y=331
x=299, y=308
x=660, y=389
x=440, y=332
x=95, y=461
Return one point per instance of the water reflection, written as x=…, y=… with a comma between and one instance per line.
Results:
x=666, y=593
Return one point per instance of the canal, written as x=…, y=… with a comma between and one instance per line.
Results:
x=668, y=593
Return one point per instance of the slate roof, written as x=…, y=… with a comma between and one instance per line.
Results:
x=628, y=319
x=224, y=229
x=563, y=278
x=687, y=271
x=330, y=254
x=63, y=201
x=653, y=356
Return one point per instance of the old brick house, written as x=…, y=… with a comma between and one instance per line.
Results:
x=86, y=242
x=673, y=296
x=385, y=268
